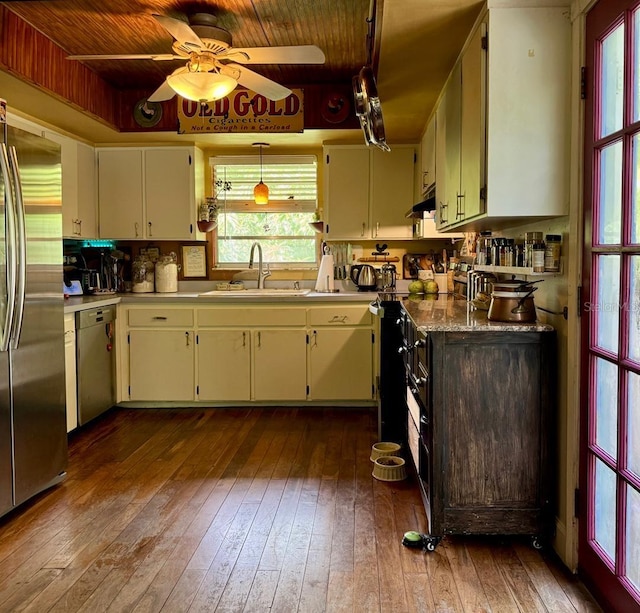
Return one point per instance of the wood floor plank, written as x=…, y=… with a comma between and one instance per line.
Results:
x=251, y=509
x=495, y=588
x=468, y=583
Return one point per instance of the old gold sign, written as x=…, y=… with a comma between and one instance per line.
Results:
x=242, y=111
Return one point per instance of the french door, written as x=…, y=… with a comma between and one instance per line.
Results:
x=609, y=542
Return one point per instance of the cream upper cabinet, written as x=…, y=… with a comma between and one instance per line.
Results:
x=513, y=109
x=428, y=156
x=150, y=193
x=120, y=193
x=346, y=192
x=368, y=192
x=79, y=205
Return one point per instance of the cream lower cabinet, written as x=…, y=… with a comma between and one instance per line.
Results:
x=263, y=353
x=341, y=350
x=279, y=364
x=161, y=356
x=161, y=365
x=256, y=353
x=224, y=365
x=71, y=395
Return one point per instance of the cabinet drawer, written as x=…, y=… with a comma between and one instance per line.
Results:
x=353, y=315
x=261, y=317
x=414, y=441
x=159, y=318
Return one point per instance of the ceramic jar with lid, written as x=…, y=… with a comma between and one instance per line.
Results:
x=167, y=273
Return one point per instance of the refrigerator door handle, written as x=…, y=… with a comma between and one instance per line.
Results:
x=21, y=249
x=11, y=255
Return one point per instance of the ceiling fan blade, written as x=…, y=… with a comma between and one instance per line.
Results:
x=180, y=30
x=159, y=57
x=302, y=54
x=255, y=82
x=164, y=92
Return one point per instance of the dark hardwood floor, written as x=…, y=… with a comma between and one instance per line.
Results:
x=251, y=510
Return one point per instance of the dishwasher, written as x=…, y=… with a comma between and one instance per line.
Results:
x=95, y=362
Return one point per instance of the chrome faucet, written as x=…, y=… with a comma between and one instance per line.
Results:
x=263, y=273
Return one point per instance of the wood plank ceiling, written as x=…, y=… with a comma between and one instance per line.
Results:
x=36, y=36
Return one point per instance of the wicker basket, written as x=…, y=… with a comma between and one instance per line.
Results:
x=389, y=468
x=381, y=449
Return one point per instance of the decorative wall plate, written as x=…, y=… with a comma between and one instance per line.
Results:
x=147, y=114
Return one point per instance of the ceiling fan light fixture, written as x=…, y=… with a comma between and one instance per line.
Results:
x=261, y=190
x=201, y=86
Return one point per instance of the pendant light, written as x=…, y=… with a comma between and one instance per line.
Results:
x=261, y=191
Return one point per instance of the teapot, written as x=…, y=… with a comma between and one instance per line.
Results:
x=364, y=276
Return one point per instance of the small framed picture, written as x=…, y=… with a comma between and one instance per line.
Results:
x=194, y=261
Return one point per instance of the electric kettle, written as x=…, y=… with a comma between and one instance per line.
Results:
x=364, y=276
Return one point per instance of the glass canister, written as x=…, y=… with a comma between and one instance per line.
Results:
x=167, y=273
x=142, y=275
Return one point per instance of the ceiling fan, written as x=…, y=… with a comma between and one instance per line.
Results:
x=213, y=67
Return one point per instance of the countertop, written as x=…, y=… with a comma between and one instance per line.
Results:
x=444, y=313
x=80, y=303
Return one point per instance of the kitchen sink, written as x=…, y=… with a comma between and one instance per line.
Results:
x=267, y=293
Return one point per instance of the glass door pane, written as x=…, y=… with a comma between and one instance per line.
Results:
x=609, y=544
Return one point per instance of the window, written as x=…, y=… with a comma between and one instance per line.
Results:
x=281, y=226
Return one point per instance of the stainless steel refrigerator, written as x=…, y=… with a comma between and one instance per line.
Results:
x=33, y=439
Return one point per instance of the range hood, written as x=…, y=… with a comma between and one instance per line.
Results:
x=419, y=209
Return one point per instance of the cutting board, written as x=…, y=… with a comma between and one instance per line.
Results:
x=423, y=261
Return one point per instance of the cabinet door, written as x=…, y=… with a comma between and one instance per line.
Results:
x=169, y=193
x=340, y=364
x=224, y=365
x=441, y=164
x=472, y=133
x=452, y=145
x=347, y=192
x=87, y=205
x=428, y=156
x=392, y=195
x=70, y=371
x=279, y=364
x=120, y=193
x=161, y=365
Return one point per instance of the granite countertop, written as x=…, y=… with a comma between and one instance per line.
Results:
x=444, y=313
x=79, y=303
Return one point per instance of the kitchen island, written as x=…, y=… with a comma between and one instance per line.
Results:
x=480, y=398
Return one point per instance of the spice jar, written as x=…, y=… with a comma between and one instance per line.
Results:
x=552, y=253
x=537, y=251
x=530, y=239
x=167, y=273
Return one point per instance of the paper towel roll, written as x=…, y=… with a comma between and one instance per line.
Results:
x=324, y=282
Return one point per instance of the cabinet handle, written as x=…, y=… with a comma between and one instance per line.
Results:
x=425, y=182
x=187, y=338
x=244, y=339
x=259, y=339
x=459, y=205
x=137, y=229
x=150, y=224
x=377, y=228
x=160, y=318
x=363, y=227
x=338, y=319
